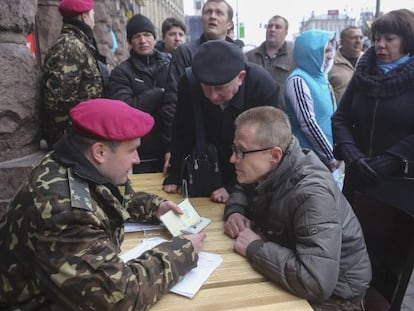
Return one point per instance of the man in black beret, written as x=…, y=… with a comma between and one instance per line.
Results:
x=140, y=81
x=226, y=85
x=216, y=20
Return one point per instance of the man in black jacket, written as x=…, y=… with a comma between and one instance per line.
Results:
x=226, y=86
x=140, y=81
x=216, y=20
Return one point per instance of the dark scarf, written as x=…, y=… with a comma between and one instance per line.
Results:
x=89, y=34
x=375, y=83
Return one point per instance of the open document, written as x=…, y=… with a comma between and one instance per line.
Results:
x=194, y=279
x=188, y=222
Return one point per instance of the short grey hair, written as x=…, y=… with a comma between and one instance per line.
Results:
x=272, y=126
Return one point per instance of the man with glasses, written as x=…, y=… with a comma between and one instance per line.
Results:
x=226, y=85
x=289, y=218
x=346, y=58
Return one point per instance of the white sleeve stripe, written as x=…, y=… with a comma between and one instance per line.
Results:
x=303, y=108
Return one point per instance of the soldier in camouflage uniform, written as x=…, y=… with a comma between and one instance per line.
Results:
x=73, y=69
x=61, y=236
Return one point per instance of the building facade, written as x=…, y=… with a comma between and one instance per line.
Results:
x=332, y=21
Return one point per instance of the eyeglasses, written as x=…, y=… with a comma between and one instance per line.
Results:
x=240, y=154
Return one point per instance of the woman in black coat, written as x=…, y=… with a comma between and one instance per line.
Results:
x=373, y=131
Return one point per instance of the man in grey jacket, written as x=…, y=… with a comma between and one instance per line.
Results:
x=275, y=54
x=289, y=217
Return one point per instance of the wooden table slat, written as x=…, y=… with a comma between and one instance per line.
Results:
x=234, y=285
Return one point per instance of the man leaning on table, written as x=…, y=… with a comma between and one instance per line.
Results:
x=61, y=236
x=289, y=217
x=226, y=84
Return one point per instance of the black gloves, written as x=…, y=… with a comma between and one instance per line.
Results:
x=364, y=170
x=386, y=164
x=369, y=169
x=150, y=100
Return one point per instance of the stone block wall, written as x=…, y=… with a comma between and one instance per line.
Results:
x=18, y=104
x=19, y=108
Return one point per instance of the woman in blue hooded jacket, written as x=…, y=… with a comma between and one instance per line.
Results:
x=309, y=99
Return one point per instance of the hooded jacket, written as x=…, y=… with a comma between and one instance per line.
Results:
x=308, y=96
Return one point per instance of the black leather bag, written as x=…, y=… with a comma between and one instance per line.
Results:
x=202, y=173
x=200, y=169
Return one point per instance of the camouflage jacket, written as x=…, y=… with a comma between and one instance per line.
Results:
x=70, y=74
x=60, y=241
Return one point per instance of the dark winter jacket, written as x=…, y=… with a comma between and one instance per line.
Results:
x=376, y=119
x=313, y=243
x=140, y=81
x=257, y=89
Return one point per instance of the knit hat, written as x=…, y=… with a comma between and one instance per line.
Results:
x=110, y=119
x=217, y=62
x=139, y=23
x=69, y=8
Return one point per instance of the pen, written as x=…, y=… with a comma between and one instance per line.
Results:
x=186, y=232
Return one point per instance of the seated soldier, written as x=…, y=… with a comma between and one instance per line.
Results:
x=61, y=236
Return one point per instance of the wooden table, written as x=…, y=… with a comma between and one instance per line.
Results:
x=234, y=285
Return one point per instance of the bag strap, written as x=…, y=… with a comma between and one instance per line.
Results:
x=193, y=87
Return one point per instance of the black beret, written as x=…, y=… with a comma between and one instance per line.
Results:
x=139, y=23
x=217, y=62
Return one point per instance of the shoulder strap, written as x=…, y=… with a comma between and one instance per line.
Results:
x=198, y=118
x=80, y=196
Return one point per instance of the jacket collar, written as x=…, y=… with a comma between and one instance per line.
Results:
x=67, y=154
x=261, y=50
x=281, y=174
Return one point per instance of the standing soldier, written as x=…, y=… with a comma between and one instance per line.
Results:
x=73, y=69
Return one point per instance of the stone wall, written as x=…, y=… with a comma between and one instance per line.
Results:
x=19, y=108
x=18, y=85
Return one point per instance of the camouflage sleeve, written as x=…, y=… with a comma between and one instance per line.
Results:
x=77, y=259
x=79, y=268
x=140, y=205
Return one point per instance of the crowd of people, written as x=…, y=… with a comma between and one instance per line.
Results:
x=282, y=118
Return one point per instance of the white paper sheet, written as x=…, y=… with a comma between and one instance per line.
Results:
x=194, y=279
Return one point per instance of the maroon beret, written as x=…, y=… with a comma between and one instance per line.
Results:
x=110, y=119
x=69, y=8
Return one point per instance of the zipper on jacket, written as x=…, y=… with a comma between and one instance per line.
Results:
x=374, y=118
x=405, y=161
